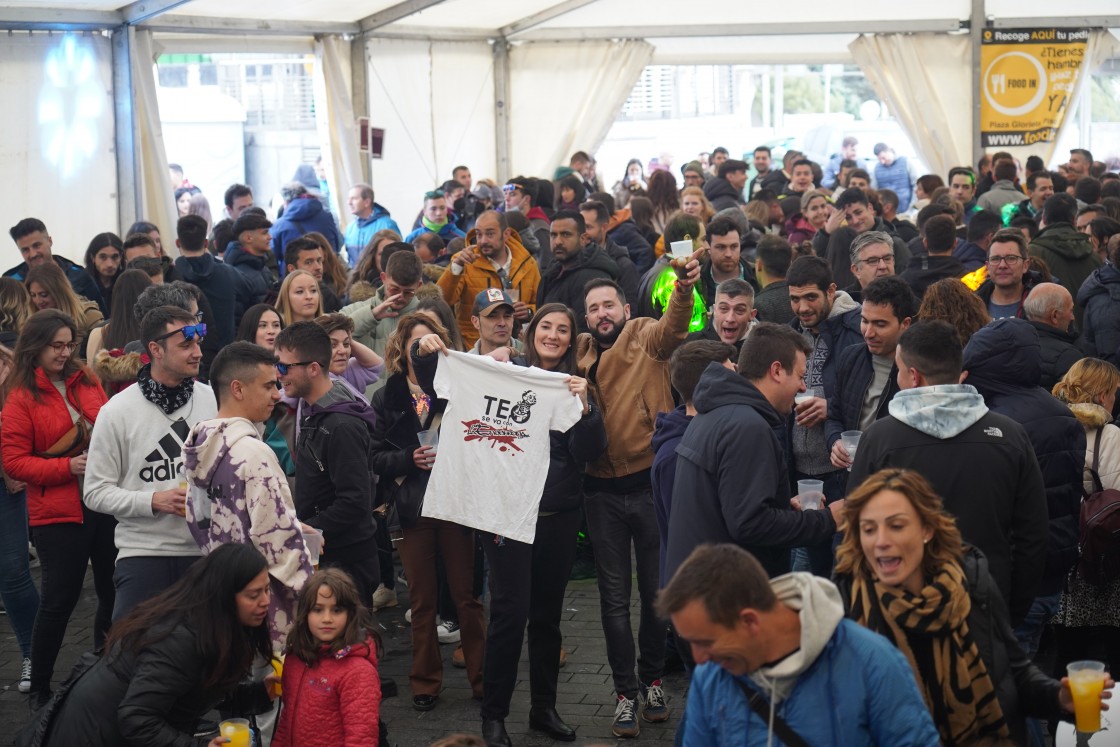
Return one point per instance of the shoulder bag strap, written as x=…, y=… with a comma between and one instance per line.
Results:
x=759, y=705
x=1095, y=469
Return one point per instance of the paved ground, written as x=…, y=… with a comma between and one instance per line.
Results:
x=585, y=692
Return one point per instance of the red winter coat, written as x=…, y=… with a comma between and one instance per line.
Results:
x=336, y=702
x=28, y=427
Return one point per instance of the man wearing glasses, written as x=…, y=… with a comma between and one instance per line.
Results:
x=135, y=467
x=435, y=219
x=872, y=257
x=334, y=471
x=1009, y=278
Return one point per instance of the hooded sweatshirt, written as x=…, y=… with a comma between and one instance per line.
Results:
x=667, y=434
x=982, y=465
x=841, y=329
x=732, y=483
x=843, y=685
x=238, y=494
x=1070, y=257
x=302, y=216
x=334, y=472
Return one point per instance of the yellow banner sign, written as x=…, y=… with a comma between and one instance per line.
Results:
x=1027, y=77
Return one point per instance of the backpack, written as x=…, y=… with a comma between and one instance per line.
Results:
x=1099, y=539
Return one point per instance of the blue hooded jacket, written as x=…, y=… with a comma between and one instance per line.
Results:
x=667, y=434
x=302, y=216
x=361, y=230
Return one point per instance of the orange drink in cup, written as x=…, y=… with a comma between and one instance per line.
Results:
x=236, y=730
x=1086, y=681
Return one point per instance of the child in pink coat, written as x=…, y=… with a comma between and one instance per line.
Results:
x=331, y=690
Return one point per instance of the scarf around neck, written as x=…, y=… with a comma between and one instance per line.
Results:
x=933, y=626
x=433, y=227
x=167, y=399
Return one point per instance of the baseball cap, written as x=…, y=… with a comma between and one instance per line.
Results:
x=490, y=299
x=250, y=222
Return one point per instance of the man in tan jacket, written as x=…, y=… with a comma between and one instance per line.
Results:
x=627, y=363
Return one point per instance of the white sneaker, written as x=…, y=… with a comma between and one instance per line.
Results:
x=408, y=615
x=25, y=676
x=384, y=597
x=448, y=632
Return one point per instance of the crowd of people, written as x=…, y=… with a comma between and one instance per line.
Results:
x=850, y=430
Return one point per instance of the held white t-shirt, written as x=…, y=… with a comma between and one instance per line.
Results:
x=494, y=451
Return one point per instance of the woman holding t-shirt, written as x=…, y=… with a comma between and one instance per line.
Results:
x=527, y=582
x=405, y=406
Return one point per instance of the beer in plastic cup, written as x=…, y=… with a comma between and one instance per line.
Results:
x=314, y=541
x=811, y=494
x=236, y=730
x=850, y=439
x=1086, y=681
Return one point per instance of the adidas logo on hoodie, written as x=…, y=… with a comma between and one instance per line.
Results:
x=165, y=462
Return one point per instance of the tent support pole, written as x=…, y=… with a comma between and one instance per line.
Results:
x=975, y=30
x=128, y=183
x=501, y=108
x=359, y=89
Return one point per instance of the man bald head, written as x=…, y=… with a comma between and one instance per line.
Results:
x=1050, y=304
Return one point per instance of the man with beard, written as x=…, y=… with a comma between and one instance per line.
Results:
x=627, y=363
x=493, y=258
x=577, y=261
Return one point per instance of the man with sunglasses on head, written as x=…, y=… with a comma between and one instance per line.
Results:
x=436, y=219
x=135, y=467
x=334, y=471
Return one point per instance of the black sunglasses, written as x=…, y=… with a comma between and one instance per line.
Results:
x=189, y=332
x=282, y=368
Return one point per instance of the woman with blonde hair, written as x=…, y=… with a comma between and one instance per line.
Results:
x=1088, y=616
x=299, y=299
x=696, y=204
x=951, y=301
x=49, y=289
x=15, y=307
x=904, y=572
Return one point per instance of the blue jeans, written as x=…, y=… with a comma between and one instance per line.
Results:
x=615, y=522
x=1029, y=634
x=21, y=598
x=138, y=579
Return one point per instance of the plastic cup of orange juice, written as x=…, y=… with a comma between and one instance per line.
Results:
x=236, y=730
x=1086, y=681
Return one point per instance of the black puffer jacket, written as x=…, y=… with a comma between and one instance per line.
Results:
x=1022, y=689
x=1004, y=363
x=1099, y=299
x=721, y=194
x=560, y=284
x=1059, y=353
x=154, y=697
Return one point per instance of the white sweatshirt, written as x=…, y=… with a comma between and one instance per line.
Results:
x=135, y=451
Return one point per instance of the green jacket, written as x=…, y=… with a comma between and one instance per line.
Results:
x=1069, y=255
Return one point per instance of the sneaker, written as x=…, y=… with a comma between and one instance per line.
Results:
x=384, y=597
x=408, y=615
x=457, y=659
x=448, y=632
x=25, y=676
x=625, y=719
x=401, y=579
x=654, y=710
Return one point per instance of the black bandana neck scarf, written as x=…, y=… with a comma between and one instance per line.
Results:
x=168, y=399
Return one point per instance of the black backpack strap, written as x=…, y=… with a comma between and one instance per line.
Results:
x=1095, y=469
x=759, y=705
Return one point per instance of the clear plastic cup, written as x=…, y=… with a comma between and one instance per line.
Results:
x=811, y=494
x=314, y=542
x=429, y=438
x=1086, y=681
x=850, y=440
x=514, y=293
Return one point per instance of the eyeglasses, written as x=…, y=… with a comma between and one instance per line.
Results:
x=58, y=347
x=435, y=194
x=1010, y=260
x=282, y=368
x=190, y=332
x=887, y=259
x=198, y=315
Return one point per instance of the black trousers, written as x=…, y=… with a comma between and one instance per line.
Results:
x=65, y=551
x=527, y=584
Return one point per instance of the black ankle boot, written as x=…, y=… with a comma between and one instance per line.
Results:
x=494, y=732
x=546, y=719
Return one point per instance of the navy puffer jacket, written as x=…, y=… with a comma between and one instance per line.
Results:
x=1004, y=363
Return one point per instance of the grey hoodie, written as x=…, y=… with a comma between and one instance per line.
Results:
x=941, y=411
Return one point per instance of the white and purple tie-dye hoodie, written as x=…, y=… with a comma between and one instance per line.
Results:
x=235, y=475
